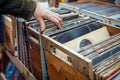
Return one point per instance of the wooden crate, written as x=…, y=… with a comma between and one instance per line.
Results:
x=76, y=67
x=105, y=18
x=35, y=58
x=29, y=51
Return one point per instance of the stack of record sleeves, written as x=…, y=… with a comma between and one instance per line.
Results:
x=88, y=38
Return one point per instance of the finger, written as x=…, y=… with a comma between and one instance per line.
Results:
x=58, y=18
x=56, y=22
x=55, y=19
x=42, y=25
x=58, y=15
x=53, y=15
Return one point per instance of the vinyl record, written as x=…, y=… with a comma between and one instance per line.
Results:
x=100, y=46
x=109, y=11
x=85, y=5
x=77, y=32
x=91, y=38
x=112, y=59
x=115, y=76
x=102, y=56
x=61, y=11
x=106, y=70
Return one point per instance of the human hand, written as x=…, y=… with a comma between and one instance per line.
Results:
x=42, y=14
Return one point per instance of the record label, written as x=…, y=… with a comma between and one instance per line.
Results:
x=85, y=42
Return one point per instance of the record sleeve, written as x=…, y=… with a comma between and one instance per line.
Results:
x=93, y=37
x=77, y=32
x=111, y=73
x=115, y=76
x=106, y=69
x=101, y=49
x=90, y=38
x=112, y=69
x=102, y=56
x=88, y=50
x=112, y=59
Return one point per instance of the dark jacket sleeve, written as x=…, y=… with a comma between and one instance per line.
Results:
x=18, y=8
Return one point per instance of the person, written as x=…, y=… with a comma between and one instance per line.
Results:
x=28, y=8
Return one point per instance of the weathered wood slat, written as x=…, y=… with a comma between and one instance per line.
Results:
x=20, y=66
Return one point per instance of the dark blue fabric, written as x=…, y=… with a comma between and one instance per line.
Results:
x=1, y=29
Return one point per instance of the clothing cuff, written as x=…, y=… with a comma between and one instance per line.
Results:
x=28, y=7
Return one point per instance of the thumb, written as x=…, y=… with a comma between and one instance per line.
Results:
x=42, y=25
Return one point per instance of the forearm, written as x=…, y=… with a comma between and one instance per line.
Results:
x=18, y=8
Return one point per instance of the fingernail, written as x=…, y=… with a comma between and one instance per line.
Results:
x=41, y=30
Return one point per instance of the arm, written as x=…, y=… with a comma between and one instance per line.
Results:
x=27, y=8
x=18, y=8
